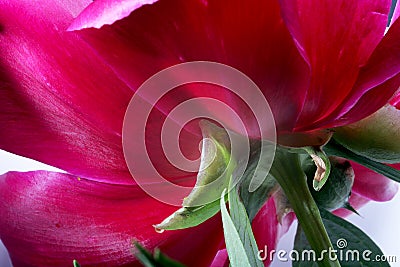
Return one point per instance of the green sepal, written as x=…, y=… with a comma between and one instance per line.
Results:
x=157, y=259
x=254, y=200
x=336, y=149
x=347, y=238
x=216, y=166
x=75, y=263
x=189, y=217
x=349, y=207
x=375, y=137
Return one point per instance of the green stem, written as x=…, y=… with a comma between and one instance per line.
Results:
x=287, y=171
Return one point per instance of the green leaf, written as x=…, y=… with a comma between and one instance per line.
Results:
x=243, y=226
x=75, y=263
x=234, y=246
x=334, y=148
x=163, y=260
x=189, y=217
x=144, y=256
x=156, y=260
x=349, y=241
x=257, y=166
x=239, y=239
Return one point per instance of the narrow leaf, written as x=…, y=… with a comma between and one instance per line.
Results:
x=75, y=263
x=234, y=246
x=353, y=247
x=239, y=239
x=334, y=148
x=243, y=226
x=156, y=260
x=144, y=256
x=165, y=261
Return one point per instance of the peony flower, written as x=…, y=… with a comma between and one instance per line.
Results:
x=320, y=64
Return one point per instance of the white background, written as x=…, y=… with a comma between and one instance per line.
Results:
x=380, y=220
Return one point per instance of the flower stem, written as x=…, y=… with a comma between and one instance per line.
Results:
x=287, y=171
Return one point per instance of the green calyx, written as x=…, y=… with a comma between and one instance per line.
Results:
x=375, y=137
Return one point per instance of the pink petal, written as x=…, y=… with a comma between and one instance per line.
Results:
x=61, y=104
x=49, y=219
x=169, y=32
x=371, y=185
x=396, y=101
x=221, y=259
x=336, y=38
x=103, y=12
x=379, y=78
x=267, y=229
x=370, y=102
x=376, y=84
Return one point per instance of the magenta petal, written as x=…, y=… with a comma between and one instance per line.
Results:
x=103, y=12
x=267, y=229
x=371, y=185
x=368, y=103
x=335, y=38
x=378, y=80
x=221, y=259
x=59, y=103
x=49, y=219
x=382, y=68
x=396, y=101
x=170, y=32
